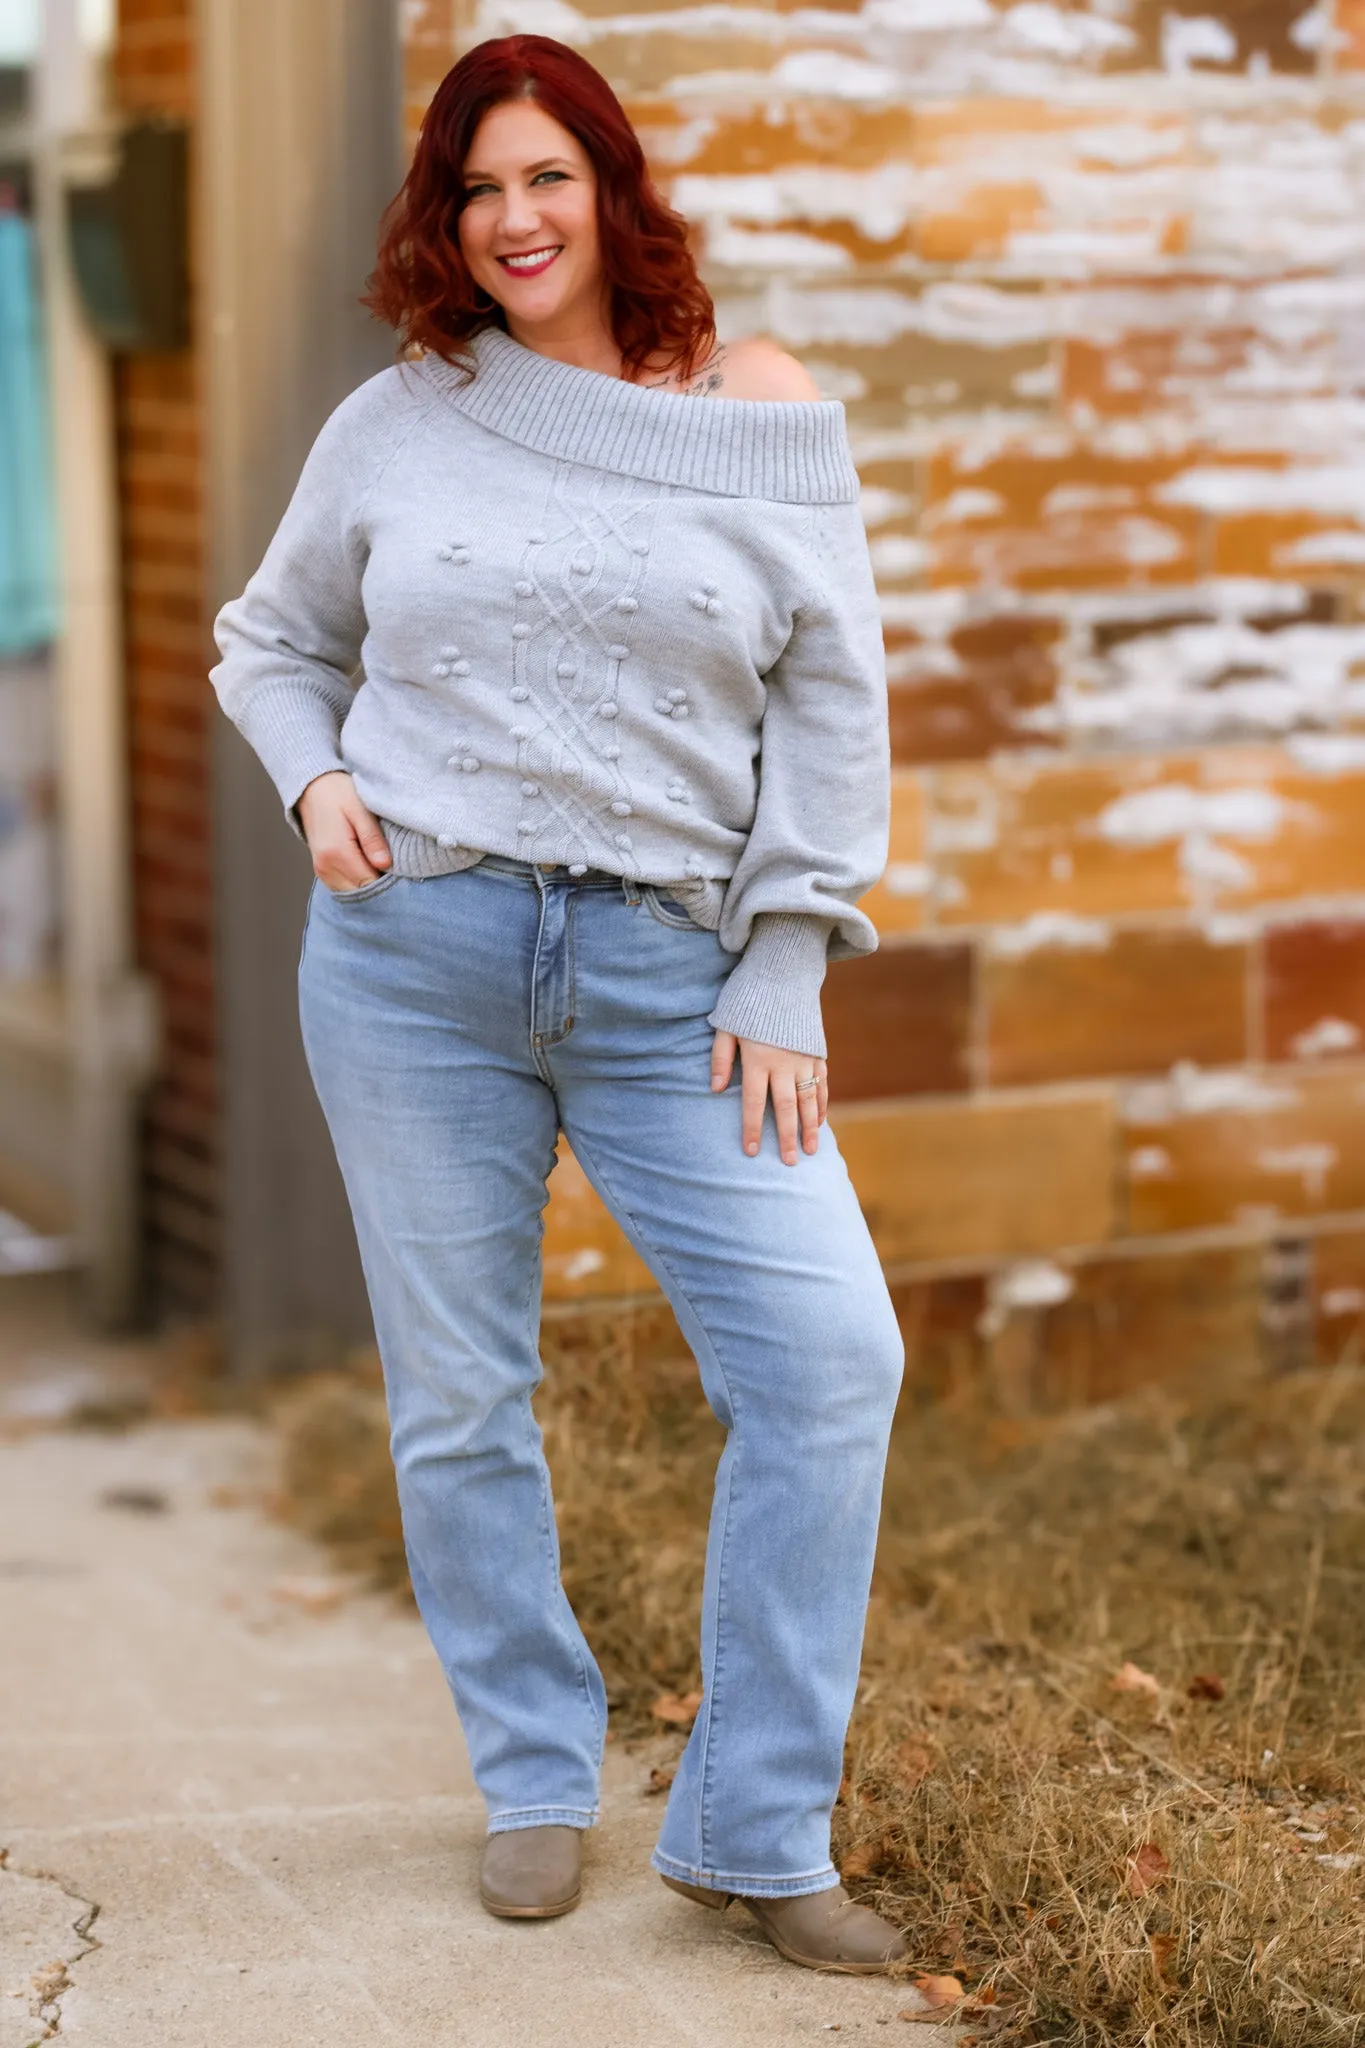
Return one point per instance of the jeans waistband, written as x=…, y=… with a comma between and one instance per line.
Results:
x=529, y=870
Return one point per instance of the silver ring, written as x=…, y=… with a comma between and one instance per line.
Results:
x=804, y=1087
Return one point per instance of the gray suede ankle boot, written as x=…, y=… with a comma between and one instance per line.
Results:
x=532, y=1873
x=819, y=1930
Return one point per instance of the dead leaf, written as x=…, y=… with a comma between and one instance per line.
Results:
x=659, y=1781
x=1147, y=1868
x=913, y=1764
x=1206, y=1685
x=679, y=1710
x=939, y=1991
x=845, y=1791
x=235, y=1496
x=1128, y=1678
x=135, y=1500
x=861, y=1861
x=930, y=2018
x=1163, y=1947
x=314, y=1596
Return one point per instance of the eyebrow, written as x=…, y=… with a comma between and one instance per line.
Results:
x=546, y=163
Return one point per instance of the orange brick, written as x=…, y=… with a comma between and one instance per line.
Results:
x=1005, y=669
x=767, y=137
x=1118, y=1002
x=940, y=1320
x=1240, y=1147
x=900, y=1022
x=980, y=224
x=1315, y=988
x=1072, y=520
x=1151, y=368
x=896, y=904
x=1014, y=838
x=1261, y=33
x=1229, y=827
x=1282, y=544
x=1184, y=1317
x=1348, y=20
x=963, y=1179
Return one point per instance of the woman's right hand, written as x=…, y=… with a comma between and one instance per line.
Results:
x=344, y=836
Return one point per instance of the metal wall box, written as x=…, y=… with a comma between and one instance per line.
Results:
x=129, y=241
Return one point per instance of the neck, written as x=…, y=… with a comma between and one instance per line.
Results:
x=581, y=339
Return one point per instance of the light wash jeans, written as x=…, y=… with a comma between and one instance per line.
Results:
x=454, y=1027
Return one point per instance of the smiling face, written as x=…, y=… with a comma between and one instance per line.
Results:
x=528, y=232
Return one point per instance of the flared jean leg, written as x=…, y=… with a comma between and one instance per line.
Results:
x=776, y=1285
x=445, y=1134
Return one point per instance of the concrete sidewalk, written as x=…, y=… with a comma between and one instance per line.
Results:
x=261, y=1788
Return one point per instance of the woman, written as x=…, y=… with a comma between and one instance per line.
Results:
x=603, y=804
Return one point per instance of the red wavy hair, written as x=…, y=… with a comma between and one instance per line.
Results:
x=658, y=307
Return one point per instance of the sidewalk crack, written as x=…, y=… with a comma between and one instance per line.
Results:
x=45, y=1986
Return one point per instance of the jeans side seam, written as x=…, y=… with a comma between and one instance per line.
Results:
x=626, y=1216
x=546, y=1500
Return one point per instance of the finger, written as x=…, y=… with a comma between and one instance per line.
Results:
x=369, y=835
x=808, y=1110
x=342, y=867
x=822, y=1092
x=723, y=1058
x=753, y=1100
x=785, y=1115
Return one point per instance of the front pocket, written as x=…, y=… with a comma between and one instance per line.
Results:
x=666, y=909
x=367, y=890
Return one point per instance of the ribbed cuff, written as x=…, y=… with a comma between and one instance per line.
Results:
x=297, y=734
x=773, y=994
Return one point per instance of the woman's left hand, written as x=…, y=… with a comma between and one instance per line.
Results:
x=771, y=1070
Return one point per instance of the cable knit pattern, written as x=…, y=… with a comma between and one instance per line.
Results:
x=539, y=612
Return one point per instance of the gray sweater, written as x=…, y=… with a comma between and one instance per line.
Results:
x=545, y=613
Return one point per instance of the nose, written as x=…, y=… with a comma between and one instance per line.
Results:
x=520, y=214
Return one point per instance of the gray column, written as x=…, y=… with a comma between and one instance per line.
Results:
x=300, y=149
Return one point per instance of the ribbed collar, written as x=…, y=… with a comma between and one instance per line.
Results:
x=791, y=452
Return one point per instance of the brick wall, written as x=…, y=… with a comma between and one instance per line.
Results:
x=1089, y=281
x=161, y=489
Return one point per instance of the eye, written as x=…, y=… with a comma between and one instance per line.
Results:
x=554, y=177
x=477, y=191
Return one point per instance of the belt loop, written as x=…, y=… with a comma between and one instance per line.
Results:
x=631, y=891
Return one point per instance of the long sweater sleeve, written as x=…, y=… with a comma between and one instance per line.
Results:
x=819, y=839
x=290, y=644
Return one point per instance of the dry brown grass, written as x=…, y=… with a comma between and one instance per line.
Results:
x=1149, y=1868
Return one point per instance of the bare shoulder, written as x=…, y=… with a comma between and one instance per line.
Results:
x=760, y=369
x=744, y=369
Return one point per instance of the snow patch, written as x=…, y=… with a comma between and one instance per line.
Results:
x=963, y=506
x=1038, y=26
x=1049, y=928
x=1032, y=1283
x=1196, y=1091
x=1172, y=810
x=1309, y=1164
x=896, y=555
x=1149, y=1162
x=1329, y=1034
x=1328, y=753
x=907, y=878
x=878, y=505
x=1188, y=39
